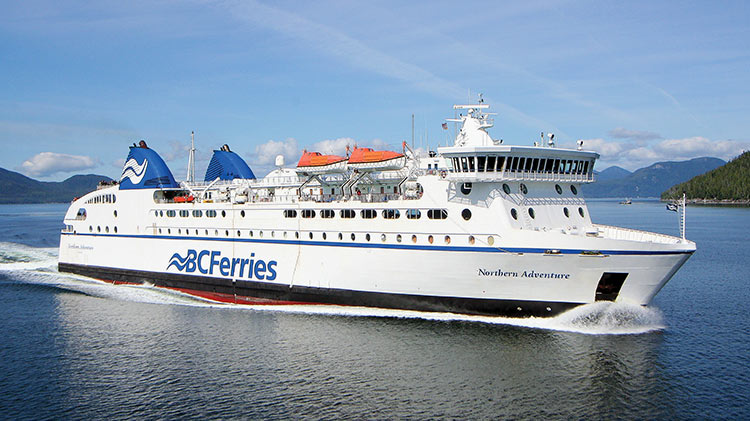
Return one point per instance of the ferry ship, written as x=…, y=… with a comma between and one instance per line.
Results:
x=479, y=227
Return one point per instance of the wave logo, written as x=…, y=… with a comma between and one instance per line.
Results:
x=209, y=262
x=134, y=171
x=186, y=263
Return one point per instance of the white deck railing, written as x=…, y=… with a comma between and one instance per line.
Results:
x=618, y=233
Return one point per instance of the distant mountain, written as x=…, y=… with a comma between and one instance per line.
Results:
x=612, y=173
x=728, y=182
x=652, y=180
x=17, y=188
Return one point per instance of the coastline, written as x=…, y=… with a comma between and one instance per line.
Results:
x=715, y=202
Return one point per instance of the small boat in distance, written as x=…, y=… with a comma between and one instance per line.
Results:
x=626, y=202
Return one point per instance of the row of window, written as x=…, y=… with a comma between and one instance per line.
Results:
x=525, y=190
x=532, y=214
x=324, y=236
x=520, y=164
x=99, y=229
x=102, y=198
x=324, y=213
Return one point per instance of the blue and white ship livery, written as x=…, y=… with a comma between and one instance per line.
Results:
x=480, y=227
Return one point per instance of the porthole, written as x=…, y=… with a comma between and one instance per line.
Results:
x=382, y=237
x=273, y=234
x=296, y=234
x=324, y=236
x=558, y=189
x=115, y=230
x=169, y=230
x=573, y=189
x=91, y=229
x=341, y=236
x=430, y=239
x=398, y=238
x=447, y=239
x=413, y=238
x=472, y=240
x=250, y=233
x=206, y=233
x=216, y=233
x=284, y=234
x=226, y=233
x=566, y=212
x=311, y=235
x=523, y=188
x=159, y=230
x=242, y=213
x=531, y=213
x=367, y=237
x=239, y=234
x=580, y=212
x=490, y=240
x=353, y=237
x=106, y=229
x=161, y=213
x=98, y=228
x=466, y=214
x=506, y=188
x=514, y=213
x=260, y=234
x=223, y=214
x=115, y=212
x=179, y=231
x=465, y=188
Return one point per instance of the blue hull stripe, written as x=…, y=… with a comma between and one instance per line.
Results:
x=384, y=246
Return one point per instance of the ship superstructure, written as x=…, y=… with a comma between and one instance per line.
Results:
x=480, y=227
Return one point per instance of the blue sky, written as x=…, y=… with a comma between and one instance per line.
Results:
x=638, y=81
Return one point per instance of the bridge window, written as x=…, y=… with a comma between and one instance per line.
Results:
x=464, y=164
x=481, y=162
x=500, y=163
x=290, y=213
x=491, y=160
x=327, y=213
x=81, y=215
x=471, y=164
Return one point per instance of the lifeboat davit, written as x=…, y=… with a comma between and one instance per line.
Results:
x=317, y=163
x=372, y=160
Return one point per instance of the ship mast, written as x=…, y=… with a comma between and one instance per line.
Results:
x=191, y=159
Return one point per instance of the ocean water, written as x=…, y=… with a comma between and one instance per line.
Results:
x=76, y=348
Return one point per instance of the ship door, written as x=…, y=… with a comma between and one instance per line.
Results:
x=609, y=286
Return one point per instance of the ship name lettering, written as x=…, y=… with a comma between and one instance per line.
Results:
x=210, y=262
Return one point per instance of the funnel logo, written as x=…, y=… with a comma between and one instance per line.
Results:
x=134, y=171
x=209, y=262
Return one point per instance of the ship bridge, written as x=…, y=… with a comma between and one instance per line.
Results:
x=476, y=157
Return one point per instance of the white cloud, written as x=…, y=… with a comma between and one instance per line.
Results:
x=265, y=153
x=47, y=163
x=637, y=154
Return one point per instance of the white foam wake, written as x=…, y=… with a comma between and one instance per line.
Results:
x=39, y=266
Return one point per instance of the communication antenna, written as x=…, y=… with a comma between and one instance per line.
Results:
x=191, y=159
x=412, y=131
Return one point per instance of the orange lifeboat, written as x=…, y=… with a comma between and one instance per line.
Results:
x=369, y=159
x=317, y=163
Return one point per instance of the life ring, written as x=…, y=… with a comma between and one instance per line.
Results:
x=443, y=174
